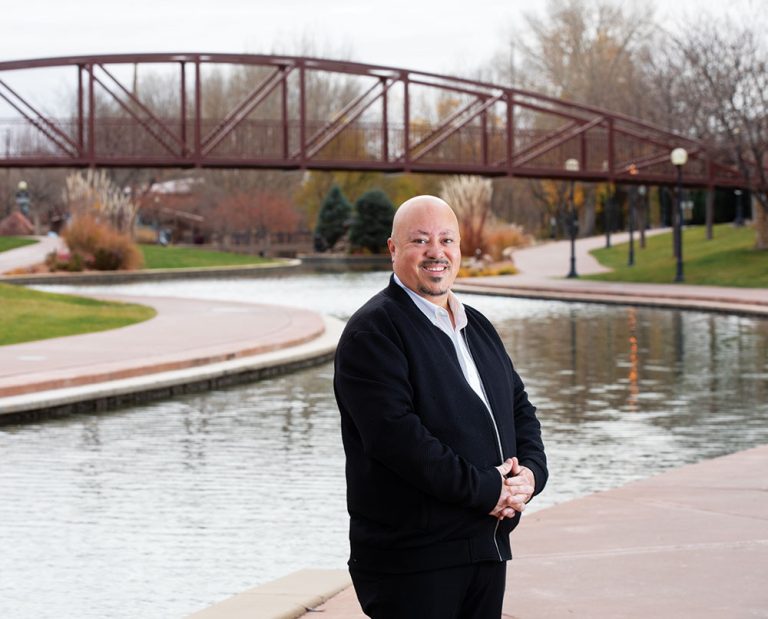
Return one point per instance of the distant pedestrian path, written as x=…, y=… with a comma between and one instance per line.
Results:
x=30, y=255
x=542, y=270
x=551, y=259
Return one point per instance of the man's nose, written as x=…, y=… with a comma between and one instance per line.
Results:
x=435, y=249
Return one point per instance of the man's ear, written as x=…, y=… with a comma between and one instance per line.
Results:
x=391, y=247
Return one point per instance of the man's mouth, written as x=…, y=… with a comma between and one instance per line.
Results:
x=435, y=267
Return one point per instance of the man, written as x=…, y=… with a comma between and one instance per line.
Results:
x=443, y=447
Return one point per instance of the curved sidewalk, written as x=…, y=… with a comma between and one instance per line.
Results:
x=542, y=272
x=189, y=343
x=29, y=255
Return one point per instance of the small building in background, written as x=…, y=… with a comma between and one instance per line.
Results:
x=16, y=224
x=167, y=214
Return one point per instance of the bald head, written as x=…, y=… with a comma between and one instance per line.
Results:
x=420, y=206
x=425, y=247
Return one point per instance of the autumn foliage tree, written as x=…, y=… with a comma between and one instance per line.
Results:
x=255, y=216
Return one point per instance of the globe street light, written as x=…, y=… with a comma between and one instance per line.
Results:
x=572, y=165
x=679, y=157
x=22, y=197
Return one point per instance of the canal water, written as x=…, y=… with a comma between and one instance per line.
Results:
x=161, y=509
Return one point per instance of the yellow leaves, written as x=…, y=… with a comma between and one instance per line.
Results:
x=558, y=192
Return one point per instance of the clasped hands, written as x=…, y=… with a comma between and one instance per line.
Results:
x=515, y=490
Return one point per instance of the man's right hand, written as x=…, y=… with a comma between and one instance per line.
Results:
x=511, y=500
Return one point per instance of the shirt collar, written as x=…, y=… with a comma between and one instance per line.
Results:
x=432, y=311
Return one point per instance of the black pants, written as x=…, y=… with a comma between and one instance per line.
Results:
x=473, y=591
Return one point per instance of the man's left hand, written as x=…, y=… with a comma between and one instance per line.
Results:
x=521, y=485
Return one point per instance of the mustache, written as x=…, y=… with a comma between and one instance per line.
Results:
x=426, y=263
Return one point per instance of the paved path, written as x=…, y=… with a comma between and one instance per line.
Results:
x=692, y=542
x=29, y=255
x=542, y=275
x=191, y=338
x=552, y=259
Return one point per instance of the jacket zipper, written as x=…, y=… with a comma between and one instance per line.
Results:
x=495, y=430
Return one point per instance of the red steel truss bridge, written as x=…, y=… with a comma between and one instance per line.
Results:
x=284, y=112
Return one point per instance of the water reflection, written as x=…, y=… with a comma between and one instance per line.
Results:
x=159, y=510
x=634, y=388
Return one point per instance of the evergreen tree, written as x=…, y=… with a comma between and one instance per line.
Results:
x=372, y=224
x=333, y=218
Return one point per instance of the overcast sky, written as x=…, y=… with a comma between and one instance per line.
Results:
x=428, y=35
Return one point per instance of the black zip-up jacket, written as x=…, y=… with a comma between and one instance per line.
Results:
x=420, y=444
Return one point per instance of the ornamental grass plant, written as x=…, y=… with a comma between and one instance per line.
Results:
x=96, y=245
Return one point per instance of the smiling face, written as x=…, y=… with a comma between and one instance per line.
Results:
x=426, y=255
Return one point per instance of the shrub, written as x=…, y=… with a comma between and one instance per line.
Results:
x=64, y=261
x=94, y=194
x=503, y=269
x=500, y=240
x=470, y=198
x=333, y=219
x=372, y=224
x=101, y=247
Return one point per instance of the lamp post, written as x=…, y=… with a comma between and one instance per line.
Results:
x=739, y=221
x=631, y=257
x=644, y=214
x=22, y=197
x=679, y=157
x=572, y=165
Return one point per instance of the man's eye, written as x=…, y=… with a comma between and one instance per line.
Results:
x=447, y=240
x=420, y=241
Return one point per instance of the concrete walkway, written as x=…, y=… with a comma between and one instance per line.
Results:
x=29, y=255
x=188, y=342
x=692, y=542
x=542, y=271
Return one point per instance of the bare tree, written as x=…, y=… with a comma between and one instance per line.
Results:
x=718, y=72
x=590, y=51
x=596, y=52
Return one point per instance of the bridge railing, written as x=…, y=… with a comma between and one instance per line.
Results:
x=383, y=118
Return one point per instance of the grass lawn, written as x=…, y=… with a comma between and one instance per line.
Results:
x=29, y=315
x=727, y=260
x=12, y=242
x=159, y=257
